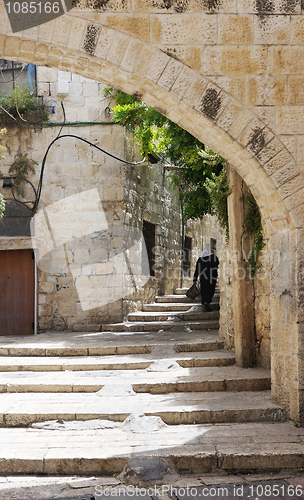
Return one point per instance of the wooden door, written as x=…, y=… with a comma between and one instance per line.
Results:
x=17, y=289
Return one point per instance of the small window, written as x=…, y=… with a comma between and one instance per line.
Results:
x=187, y=257
x=213, y=245
x=148, y=257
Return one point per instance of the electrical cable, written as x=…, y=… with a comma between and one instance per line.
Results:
x=39, y=189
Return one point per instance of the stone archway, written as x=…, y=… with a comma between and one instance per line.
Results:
x=135, y=51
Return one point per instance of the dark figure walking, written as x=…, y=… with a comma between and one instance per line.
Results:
x=206, y=273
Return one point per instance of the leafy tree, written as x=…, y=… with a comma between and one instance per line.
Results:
x=196, y=172
x=191, y=163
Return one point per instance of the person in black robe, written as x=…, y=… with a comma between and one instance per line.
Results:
x=206, y=272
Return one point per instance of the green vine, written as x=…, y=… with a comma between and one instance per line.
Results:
x=252, y=227
x=22, y=167
x=219, y=190
x=301, y=354
x=21, y=106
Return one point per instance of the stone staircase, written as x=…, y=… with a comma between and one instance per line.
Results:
x=158, y=385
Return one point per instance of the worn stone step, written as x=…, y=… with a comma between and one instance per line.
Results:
x=123, y=362
x=196, y=314
x=176, y=307
x=164, y=307
x=192, y=449
x=182, y=291
x=23, y=409
x=177, y=299
x=175, y=379
x=109, y=343
x=161, y=326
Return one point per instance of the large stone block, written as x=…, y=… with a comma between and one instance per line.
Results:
x=236, y=30
x=238, y=60
x=271, y=30
x=290, y=120
x=261, y=90
x=192, y=30
x=286, y=60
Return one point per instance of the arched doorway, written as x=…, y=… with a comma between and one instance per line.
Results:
x=205, y=108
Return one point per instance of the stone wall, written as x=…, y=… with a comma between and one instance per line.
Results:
x=254, y=299
x=87, y=233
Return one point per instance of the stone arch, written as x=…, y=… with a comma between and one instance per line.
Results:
x=209, y=112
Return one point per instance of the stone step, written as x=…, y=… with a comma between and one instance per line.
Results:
x=23, y=409
x=180, y=299
x=123, y=362
x=166, y=307
x=161, y=326
x=175, y=307
x=88, y=448
x=182, y=291
x=155, y=380
x=110, y=344
x=196, y=314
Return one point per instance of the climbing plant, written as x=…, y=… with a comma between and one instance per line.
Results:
x=20, y=107
x=190, y=163
x=252, y=227
x=20, y=168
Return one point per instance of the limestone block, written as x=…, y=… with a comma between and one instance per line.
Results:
x=235, y=60
x=296, y=30
x=108, y=142
x=295, y=200
x=290, y=120
x=234, y=85
x=255, y=136
x=137, y=26
x=191, y=55
x=273, y=7
x=288, y=179
x=105, y=268
x=91, y=90
x=277, y=162
x=157, y=65
x=130, y=59
x=196, y=90
x=170, y=74
x=118, y=48
x=271, y=149
x=76, y=33
x=55, y=56
x=193, y=30
x=144, y=60
x=27, y=49
x=295, y=90
x=236, y=30
x=266, y=90
x=286, y=60
x=62, y=30
x=271, y=30
x=12, y=45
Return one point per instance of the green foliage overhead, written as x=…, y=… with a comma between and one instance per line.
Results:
x=219, y=190
x=191, y=163
x=253, y=229
x=21, y=106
